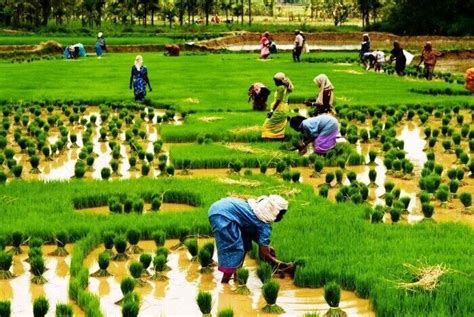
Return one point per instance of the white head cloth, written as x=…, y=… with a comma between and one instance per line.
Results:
x=267, y=208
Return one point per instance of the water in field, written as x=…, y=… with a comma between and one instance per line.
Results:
x=176, y=296
x=165, y=207
x=21, y=292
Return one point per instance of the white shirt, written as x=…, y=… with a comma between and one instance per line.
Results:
x=299, y=40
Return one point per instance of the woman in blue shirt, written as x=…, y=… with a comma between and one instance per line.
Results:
x=321, y=130
x=236, y=223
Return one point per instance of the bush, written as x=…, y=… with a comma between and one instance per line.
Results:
x=40, y=306
x=332, y=294
x=204, y=301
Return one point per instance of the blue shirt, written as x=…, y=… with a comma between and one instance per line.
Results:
x=240, y=212
x=322, y=125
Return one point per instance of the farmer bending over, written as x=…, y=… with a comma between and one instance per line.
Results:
x=321, y=130
x=236, y=223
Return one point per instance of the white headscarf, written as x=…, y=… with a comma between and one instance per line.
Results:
x=267, y=208
x=324, y=84
x=138, y=62
x=100, y=34
x=285, y=80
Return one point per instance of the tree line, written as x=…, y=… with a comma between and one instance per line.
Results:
x=400, y=16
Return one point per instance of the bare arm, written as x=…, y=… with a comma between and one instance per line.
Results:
x=268, y=255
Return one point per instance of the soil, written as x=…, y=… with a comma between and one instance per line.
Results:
x=176, y=296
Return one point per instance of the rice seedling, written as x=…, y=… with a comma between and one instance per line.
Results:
x=405, y=200
x=105, y=173
x=108, y=240
x=351, y=176
x=133, y=237
x=264, y=271
x=6, y=261
x=192, y=247
x=61, y=237
x=17, y=240
x=204, y=301
x=242, y=277
x=332, y=295
x=64, y=310
x=145, y=259
x=103, y=260
x=226, y=312
x=377, y=214
x=471, y=168
x=372, y=157
x=205, y=260
x=130, y=308
x=453, y=186
x=40, y=306
x=136, y=271
x=427, y=210
x=263, y=168
x=17, y=170
x=270, y=293
x=5, y=308
x=37, y=269
x=159, y=263
x=324, y=191
x=120, y=244
x=395, y=214
x=442, y=194
x=466, y=200
x=447, y=146
x=318, y=166
x=127, y=285
x=159, y=237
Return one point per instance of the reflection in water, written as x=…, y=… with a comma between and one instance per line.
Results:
x=21, y=292
x=177, y=295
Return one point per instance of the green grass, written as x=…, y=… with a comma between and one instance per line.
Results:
x=207, y=82
x=217, y=155
x=229, y=126
x=86, y=40
x=343, y=247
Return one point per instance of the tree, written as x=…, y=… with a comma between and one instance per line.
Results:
x=155, y=7
x=226, y=6
x=169, y=12
x=180, y=10
x=99, y=6
x=45, y=11
x=207, y=6
x=192, y=6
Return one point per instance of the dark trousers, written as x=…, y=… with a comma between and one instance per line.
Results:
x=297, y=53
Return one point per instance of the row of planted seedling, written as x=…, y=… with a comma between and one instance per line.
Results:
x=40, y=308
x=36, y=140
x=395, y=114
x=414, y=71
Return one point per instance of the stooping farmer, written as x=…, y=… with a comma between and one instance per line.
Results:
x=321, y=130
x=236, y=223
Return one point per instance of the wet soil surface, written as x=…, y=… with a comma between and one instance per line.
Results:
x=177, y=295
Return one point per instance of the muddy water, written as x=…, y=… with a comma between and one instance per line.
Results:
x=177, y=295
x=165, y=207
x=21, y=292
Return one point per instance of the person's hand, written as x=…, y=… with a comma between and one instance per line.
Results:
x=272, y=252
x=270, y=114
x=302, y=150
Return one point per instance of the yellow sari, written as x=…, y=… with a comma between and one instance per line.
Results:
x=274, y=127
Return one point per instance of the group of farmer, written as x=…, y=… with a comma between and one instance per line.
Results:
x=375, y=59
x=267, y=46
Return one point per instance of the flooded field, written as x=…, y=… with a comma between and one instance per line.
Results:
x=21, y=292
x=176, y=296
